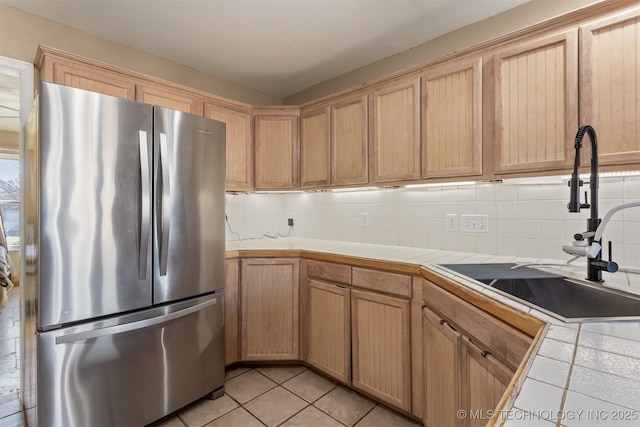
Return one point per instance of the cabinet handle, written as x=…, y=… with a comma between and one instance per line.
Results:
x=483, y=353
x=444, y=322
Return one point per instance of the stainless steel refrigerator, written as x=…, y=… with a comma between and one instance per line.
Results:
x=124, y=249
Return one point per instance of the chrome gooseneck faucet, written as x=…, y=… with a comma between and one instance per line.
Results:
x=595, y=264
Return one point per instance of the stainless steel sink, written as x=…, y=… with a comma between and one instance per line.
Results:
x=566, y=298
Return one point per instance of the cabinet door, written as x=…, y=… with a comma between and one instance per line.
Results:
x=536, y=112
x=239, y=150
x=484, y=379
x=276, y=156
x=349, y=141
x=270, y=309
x=87, y=77
x=452, y=120
x=169, y=97
x=329, y=348
x=315, y=148
x=441, y=358
x=395, y=116
x=610, y=86
x=231, y=314
x=381, y=347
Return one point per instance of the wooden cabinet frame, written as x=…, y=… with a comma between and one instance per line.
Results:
x=277, y=156
x=452, y=120
x=315, y=147
x=395, y=131
x=609, y=95
x=239, y=147
x=538, y=136
x=270, y=307
x=350, y=141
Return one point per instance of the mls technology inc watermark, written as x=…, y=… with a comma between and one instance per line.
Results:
x=624, y=415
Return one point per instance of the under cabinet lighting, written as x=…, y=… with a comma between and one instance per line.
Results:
x=352, y=189
x=441, y=184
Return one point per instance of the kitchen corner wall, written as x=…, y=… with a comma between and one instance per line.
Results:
x=526, y=219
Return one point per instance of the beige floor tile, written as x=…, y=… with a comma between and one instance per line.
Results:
x=207, y=410
x=275, y=406
x=309, y=385
x=311, y=416
x=247, y=386
x=234, y=373
x=345, y=405
x=381, y=416
x=281, y=374
x=239, y=417
x=170, y=421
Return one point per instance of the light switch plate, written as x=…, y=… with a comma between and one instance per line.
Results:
x=474, y=223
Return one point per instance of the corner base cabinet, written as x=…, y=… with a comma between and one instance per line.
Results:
x=469, y=359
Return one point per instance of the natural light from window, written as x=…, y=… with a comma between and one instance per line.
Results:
x=9, y=198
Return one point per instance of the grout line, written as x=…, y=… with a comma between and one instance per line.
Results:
x=563, y=401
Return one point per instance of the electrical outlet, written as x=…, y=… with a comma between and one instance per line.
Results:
x=452, y=222
x=474, y=223
x=364, y=219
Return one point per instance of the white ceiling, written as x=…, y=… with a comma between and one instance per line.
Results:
x=278, y=47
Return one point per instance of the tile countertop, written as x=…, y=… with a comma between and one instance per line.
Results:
x=583, y=374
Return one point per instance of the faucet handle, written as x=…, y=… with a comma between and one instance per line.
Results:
x=608, y=266
x=586, y=199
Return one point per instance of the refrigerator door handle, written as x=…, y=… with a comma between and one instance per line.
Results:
x=145, y=198
x=133, y=326
x=166, y=199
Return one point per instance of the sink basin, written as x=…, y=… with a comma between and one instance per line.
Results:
x=556, y=294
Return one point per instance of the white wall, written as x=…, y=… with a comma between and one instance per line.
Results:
x=527, y=220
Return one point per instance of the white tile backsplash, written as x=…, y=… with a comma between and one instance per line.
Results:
x=526, y=220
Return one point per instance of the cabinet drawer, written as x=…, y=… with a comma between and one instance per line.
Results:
x=507, y=343
x=381, y=281
x=332, y=272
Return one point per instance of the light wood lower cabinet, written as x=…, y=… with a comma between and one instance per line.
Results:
x=483, y=381
x=270, y=309
x=381, y=347
x=329, y=329
x=469, y=359
x=231, y=311
x=441, y=358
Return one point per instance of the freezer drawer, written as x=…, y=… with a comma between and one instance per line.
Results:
x=131, y=370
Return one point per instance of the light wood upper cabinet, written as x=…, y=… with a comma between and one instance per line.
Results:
x=349, y=141
x=329, y=329
x=381, y=347
x=315, y=147
x=395, y=132
x=610, y=86
x=276, y=151
x=270, y=309
x=58, y=70
x=239, y=149
x=452, y=120
x=169, y=97
x=536, y=111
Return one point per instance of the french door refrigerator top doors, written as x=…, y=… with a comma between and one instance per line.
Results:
x=131, y=205
x=189, y=178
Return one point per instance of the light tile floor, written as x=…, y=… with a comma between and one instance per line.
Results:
x=10, y=409
x=287, y=396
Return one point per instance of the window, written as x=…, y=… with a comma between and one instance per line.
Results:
x=10, y=197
